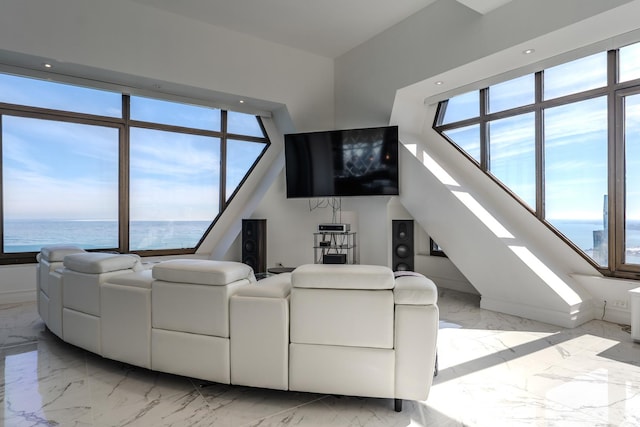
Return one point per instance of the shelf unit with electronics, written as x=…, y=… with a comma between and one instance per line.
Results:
x=331, y=247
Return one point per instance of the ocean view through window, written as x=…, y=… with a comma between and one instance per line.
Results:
x=109, y=171
x=32, y=235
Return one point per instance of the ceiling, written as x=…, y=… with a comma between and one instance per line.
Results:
x=324, y=27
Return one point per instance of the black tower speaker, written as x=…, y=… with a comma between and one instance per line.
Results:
x=254, y=244
x=402, y=245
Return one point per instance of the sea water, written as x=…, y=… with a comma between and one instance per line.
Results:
x=581, y=233
x=32, y=235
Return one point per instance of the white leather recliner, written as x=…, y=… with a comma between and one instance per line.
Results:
x=49, y=284
x=190, y=321
x=82, y=276
x=339, y=329
x=358, y=330
x=259, y=329
x=125, y=318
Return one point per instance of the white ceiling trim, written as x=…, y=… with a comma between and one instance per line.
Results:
x=484, y=6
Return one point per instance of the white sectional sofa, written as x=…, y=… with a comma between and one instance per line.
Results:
x=338, y=329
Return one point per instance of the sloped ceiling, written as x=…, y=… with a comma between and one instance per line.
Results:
x=327, y=28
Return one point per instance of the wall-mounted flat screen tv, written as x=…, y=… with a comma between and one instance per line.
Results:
x=340, y=163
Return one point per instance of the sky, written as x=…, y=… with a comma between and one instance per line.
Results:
x=575, y=136
x=63, y=170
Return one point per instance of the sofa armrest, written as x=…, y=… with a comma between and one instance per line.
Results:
x=415, y=289
x=259, y=333
x=278, y=286
x=416, y=333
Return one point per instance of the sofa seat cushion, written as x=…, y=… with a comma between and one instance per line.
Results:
x=100, y=262
x=191, y=355
x=278, y=286
x=342, y=276
x=202, y=272
x=56, y=253
x=414, y=289
x=354, y=371
x=138, y=279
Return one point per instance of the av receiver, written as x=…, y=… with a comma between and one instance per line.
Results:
x=334, y=228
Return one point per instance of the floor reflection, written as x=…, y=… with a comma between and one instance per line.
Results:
x=495, y=370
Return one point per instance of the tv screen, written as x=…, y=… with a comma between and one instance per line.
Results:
x=339, y=163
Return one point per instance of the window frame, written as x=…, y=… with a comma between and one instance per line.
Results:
x=124, y=124
x=614, y=91
x=435, y=250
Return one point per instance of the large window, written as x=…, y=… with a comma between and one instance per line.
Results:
x=512, y=154
x=60, y=184
x=575, y=173
x=576, y=76
x=549, y=137
x=174, y=184
x=468, y=138
x=632, y=179
x=109, y=171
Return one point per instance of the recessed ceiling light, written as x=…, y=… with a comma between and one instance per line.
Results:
x=439, y=82
x=242, y=101
x=528, y=51
x=47, y=65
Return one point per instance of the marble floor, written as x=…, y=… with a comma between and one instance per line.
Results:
x=495, y=370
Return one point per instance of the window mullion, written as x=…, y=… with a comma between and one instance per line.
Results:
x=1, y=188
x=440, y=112
x=223, y=162
x=124, y=193
x=539, y=146
x=485, y=155
x=615, y=152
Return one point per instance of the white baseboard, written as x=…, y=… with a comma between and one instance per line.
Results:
x=13, y=297
x=568, y=319
x=454, y=285
x=612, y=314
x=616, y=315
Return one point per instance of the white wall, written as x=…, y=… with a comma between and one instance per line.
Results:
x=17, y=283
x=292, y=222
x=439, y=269
x=485, y=238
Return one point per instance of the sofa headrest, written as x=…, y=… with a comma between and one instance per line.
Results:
x=101, y=262
x=342, y=276
x=56, y=253
x=202, y=271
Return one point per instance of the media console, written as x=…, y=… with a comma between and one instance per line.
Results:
x=335, y=247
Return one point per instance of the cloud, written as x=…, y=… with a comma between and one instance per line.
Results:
x=159, y=199
x=59, y=96
x=33, y=196
x=179, y=155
